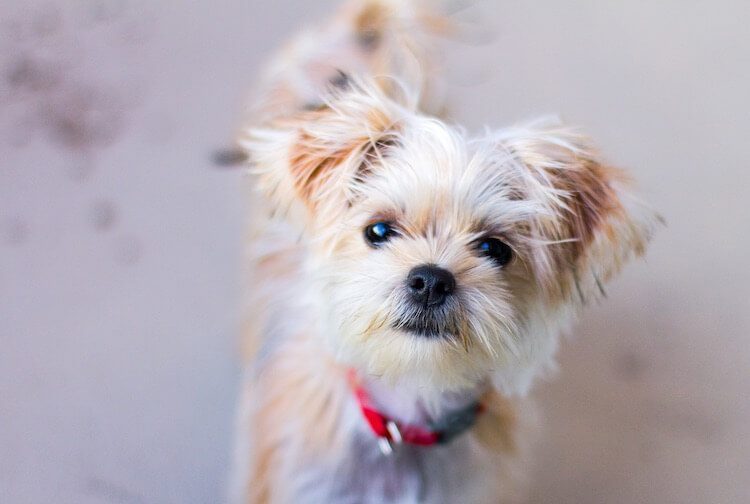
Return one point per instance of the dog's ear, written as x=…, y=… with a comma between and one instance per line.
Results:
x=588, y=221
x=315, y=157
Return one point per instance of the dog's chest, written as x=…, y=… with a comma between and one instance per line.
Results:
x=411, y=474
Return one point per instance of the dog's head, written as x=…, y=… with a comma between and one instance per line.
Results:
x=439, y=258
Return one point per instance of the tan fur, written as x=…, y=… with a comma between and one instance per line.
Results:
x=311, y=414
x=497, y=429
x=311, y=163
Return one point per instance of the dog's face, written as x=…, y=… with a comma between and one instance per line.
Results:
x=439, y=259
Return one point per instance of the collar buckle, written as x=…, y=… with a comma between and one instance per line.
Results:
x=393, y=437
x=395, y=434
x=386, y=448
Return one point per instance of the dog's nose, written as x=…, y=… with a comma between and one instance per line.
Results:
x=430, y=285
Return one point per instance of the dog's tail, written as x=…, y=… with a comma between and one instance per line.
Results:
x=391, y=42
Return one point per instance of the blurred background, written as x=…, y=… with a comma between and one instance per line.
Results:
x=120, y=241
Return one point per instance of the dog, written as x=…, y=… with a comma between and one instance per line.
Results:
x=408, y=282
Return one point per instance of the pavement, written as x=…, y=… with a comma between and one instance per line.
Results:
x=120, y=240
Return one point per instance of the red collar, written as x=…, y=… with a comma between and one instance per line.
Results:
x=390, y=432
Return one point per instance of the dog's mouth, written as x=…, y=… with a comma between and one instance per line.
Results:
x=425, y=330
x=427, y=325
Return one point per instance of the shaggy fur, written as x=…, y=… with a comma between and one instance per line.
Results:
x=344, y=135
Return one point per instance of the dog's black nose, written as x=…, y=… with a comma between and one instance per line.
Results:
x=430, y=285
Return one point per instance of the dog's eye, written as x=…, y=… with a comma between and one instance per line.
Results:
x=379, y=232
x=498, y=251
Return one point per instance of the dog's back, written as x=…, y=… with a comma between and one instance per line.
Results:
x=393, y=42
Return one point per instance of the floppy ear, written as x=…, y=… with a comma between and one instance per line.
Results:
x=589, y=221
x=312, y=158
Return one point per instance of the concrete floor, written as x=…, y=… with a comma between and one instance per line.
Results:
x=120, y=242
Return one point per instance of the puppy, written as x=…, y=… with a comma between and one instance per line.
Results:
x=408, y=281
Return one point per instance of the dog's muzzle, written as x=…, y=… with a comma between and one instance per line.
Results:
x=430, y=304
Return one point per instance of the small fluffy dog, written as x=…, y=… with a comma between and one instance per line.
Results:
x=408, y=281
